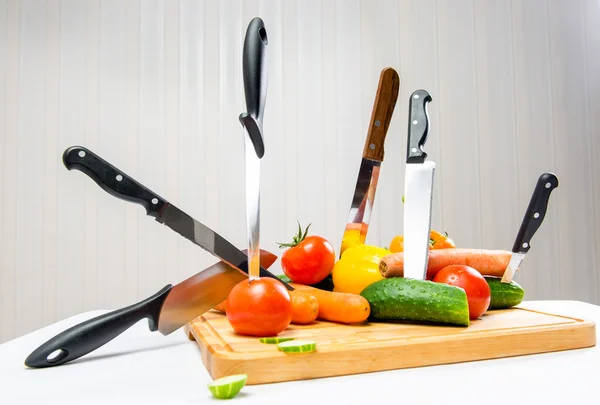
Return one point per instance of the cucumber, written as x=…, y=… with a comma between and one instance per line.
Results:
x=228, y=387
x=504, y=295
x=298, y=346
x=406, y=299
x=275, y=339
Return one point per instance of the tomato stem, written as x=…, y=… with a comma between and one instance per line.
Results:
x=299, y=237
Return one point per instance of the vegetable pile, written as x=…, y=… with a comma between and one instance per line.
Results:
x=367, y=284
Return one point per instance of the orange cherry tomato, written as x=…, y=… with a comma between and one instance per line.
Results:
x=440, y=241
x=397, y=244
x=259, y=307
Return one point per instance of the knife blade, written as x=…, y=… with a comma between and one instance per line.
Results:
x=533, y=218
x=167, y=310
x=418, y=189
x=118, y=184
x=254, y=67
x=372, y=157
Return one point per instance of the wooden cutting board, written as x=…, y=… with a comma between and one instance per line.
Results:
x=345, y=349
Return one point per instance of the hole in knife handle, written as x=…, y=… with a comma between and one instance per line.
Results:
x=262, y=34
x=81, y=153
x=57, y=355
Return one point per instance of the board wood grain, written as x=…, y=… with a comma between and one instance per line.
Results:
x=371, y=347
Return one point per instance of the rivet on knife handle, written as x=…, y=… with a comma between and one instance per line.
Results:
x=254, y=67
x=383, y=110
x=418, y=126
x=536, y=211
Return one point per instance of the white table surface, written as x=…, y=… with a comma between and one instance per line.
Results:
x=141, y=367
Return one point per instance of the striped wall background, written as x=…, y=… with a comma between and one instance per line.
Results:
x=155, y=88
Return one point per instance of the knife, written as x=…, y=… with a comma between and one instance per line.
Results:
x=167, y=310
x=171, y=307
x=373, y=152
x=254, y=66
x=120, y=185
x=418, y=189
x=536, y=211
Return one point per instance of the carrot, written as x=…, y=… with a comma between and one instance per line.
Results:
x=222, y=307
x=486, y=262
x=305, y=307
x=337, y=306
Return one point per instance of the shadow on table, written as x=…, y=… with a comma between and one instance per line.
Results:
x=92, y=357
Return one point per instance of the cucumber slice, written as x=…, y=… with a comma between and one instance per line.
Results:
x=276, y=339
x=228, y=387
x=298, y=346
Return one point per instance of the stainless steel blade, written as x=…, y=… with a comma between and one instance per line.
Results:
x=418, y=190
x=252, y=205
x=196, y=295
x=513, y=266
x=362, y=203
x=202, y=292
x=206, y=238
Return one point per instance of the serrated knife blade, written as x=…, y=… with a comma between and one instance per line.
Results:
x=172, y=306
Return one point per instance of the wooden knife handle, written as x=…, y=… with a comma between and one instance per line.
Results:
x=383, y=109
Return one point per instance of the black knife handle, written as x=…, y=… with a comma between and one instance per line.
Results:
x=418, y=126
x=87, y=336
x=254, y=66
x=112, y=180
x=249, y=122
x=536, y=211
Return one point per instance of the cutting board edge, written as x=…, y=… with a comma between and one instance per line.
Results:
x=284, y=367
x=575, y=334
x=331, y=364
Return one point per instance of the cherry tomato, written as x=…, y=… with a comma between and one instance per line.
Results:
x=470, y=280
x=445, y=243
x=397, y=244
x=308, y=260
x=259, y=307
x=440, y=241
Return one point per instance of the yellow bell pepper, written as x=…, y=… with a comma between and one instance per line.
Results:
x=357, y=268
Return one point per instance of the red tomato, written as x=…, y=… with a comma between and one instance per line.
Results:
x=308, y=260
x=260, y=307
x=470, y=280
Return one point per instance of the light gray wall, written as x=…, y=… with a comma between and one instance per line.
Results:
x=155, y=88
